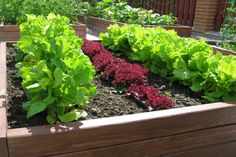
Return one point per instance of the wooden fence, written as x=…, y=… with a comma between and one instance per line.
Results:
x=221, y=13
x=183, y=9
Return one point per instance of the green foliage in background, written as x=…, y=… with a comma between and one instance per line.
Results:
x=228, y=30
x=14, y=11
x=56, y=74
x=119, y=11
x=189, y=61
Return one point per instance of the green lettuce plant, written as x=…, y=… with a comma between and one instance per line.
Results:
x=56, y=74
x=189, y=61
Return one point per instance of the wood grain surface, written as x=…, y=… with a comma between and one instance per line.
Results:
x=12, y=32
x=3, y=116
x=219, y=141
x=91, y=134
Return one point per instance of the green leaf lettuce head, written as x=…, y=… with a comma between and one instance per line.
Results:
x=56, y=74
x=188, y=61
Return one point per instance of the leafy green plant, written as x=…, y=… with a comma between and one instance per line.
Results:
x=189, y=61
x=119, y=11
x=56, y=74
x=14, y=11
x=228, y=30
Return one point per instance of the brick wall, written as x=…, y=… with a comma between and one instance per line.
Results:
x=205, y=12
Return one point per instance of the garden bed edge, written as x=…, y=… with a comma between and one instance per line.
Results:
x=12, y=32
x=100, y=25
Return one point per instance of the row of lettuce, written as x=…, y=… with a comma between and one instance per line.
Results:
x=189, y=61
x=124, y=75
x=14, y=11
x=57, y=76
x=57, y=72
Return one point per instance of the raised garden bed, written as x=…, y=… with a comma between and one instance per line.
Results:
x=100, y=25
x=12, y=32
x=200, y=130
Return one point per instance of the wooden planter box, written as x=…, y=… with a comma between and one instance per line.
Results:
x=12, y=32
x=203, y=130
x=100, y=25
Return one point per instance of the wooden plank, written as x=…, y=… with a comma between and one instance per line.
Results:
x=149, y=6
x=1, y=33
x=159, y=5
x=163, y=4
x=176, y=8
x=3, y=129
x=167, y=6
x=222, y=50
x=220, y=14
x=220, y=150
x=11, y=32
x=11, y=28
x=3, y=86
x=79, y=27
x=3, y=71
x=186, y=12
x=183, y=31
x=166, y=146
x=191, y=12
x=181, y=8
x=11, y=35
x=103, y=132
x=154, y=6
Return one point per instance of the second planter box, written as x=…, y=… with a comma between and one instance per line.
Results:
x=100, y=25
x=12, y=32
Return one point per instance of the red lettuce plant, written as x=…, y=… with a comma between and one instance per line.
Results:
x=126, y=74
x=153, y=99
x=102, y=60
x=91, y=48
x=131, y=76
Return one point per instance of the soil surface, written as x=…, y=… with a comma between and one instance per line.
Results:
x=108, y=102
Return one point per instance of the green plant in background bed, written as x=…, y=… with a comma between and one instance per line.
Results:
x=228, y=29
x=56, y=74
x=14, y=11
x=189, y=61
x=119, y=11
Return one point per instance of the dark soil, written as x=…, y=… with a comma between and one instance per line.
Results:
x=108, y=102
x=16, y=115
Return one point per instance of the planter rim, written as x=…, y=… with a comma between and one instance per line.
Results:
x=3, y=110
x=217, y=48
x=16, y=25
x=12, y=32
x=118, y=120
x=125, y=118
